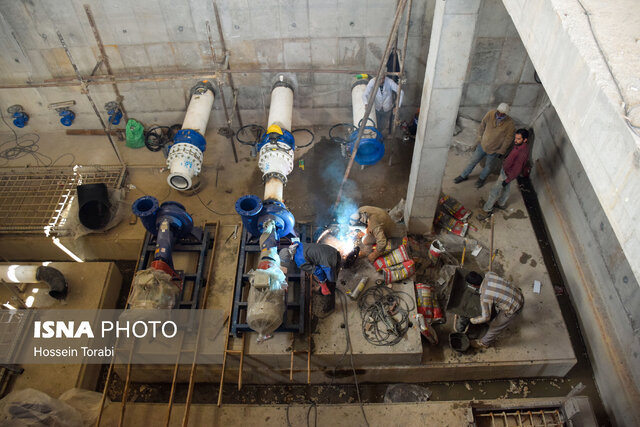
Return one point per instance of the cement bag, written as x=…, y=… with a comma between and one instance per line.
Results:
x=265, y=311
x=33, y=408
x=86, y=402
x=396, y=256
x=153, y=289
x=399, y=271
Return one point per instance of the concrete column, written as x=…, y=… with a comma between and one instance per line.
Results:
x=454, y=24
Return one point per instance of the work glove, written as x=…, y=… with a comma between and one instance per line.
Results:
x=324, y=289
x=373, y=256
x=504, y=183
x=295, y=240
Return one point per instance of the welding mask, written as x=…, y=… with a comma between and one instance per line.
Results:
x=286, y=256
x=357, y=219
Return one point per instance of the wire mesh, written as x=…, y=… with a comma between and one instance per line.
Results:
x=34, y=199
x=12, y=322
x=521, y=418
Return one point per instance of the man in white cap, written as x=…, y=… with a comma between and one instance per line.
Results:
x=495, y=135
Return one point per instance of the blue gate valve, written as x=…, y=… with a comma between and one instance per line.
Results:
x=114, y=112
x=20, y=118
x=66, y=116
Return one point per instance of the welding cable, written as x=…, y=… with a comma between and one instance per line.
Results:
x=379, y=326
x=253, y=128
x=304, y=130
x=348, y=131
x=349, y=348
x=25, y=145
x=157, y=137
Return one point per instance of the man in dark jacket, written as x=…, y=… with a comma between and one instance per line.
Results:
x=511, y=168
x=320, y=260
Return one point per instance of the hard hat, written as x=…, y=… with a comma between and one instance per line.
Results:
x=274, y=129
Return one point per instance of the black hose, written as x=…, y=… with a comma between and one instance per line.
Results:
x=304, y=130
x=57, y=283
x=157, y=137
x=338, y=139
x=253, y=127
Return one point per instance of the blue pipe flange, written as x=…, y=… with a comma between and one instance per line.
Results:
x=249, y=207
x=370, y=150
x=286, y=138
x=146, y=208
x=190, y=136
x=66, y=117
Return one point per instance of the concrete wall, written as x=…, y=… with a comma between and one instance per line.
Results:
x=598, y=276
x=500, y=69
x=163, y=36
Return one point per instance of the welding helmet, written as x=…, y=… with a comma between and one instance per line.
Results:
x=274, y=129
x=354, y=219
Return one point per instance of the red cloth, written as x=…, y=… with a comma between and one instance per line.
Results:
x=516, y=161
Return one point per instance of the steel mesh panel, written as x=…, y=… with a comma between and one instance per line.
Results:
x=32, y=199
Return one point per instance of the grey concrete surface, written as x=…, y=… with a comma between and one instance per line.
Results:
x=603, y=289
x=453, y=30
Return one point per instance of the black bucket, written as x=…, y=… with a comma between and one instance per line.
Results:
x=459, y=342
x=94, y=207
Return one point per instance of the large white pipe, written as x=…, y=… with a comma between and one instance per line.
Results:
x=19, y=273
x=199, y=111
x=281, y=108
x=357, y=103
x=274, y=189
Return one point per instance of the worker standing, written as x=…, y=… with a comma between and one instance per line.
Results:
x=494, y=138
x=497, y=296
x=380, y=230
x=383, y=102
x=320, y=260
x=512, y=166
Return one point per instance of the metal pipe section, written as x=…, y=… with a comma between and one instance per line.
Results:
x=187, y=149
x=281, y=108
x=276, y=153
x=54, y=279
x=358, y=105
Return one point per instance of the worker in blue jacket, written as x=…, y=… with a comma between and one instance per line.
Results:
x=320, y=260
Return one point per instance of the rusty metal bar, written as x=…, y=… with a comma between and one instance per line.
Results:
x=166, y=76
x=205, y=297
x=173, y=382
x=381, y=72
x=105, y=60
x=229, y=75
x=396, y=109
x=85, y=89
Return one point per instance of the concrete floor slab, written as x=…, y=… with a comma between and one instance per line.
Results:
x=92, y=285
x=536, y=345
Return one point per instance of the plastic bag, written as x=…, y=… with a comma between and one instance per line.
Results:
x=406, y=393
x=265, y=311
x=34, y=408
x=153, y=289
x=135, y=134
x=86, y=402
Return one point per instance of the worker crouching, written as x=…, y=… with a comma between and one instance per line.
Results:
x=320, y=260
x=381, y=231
